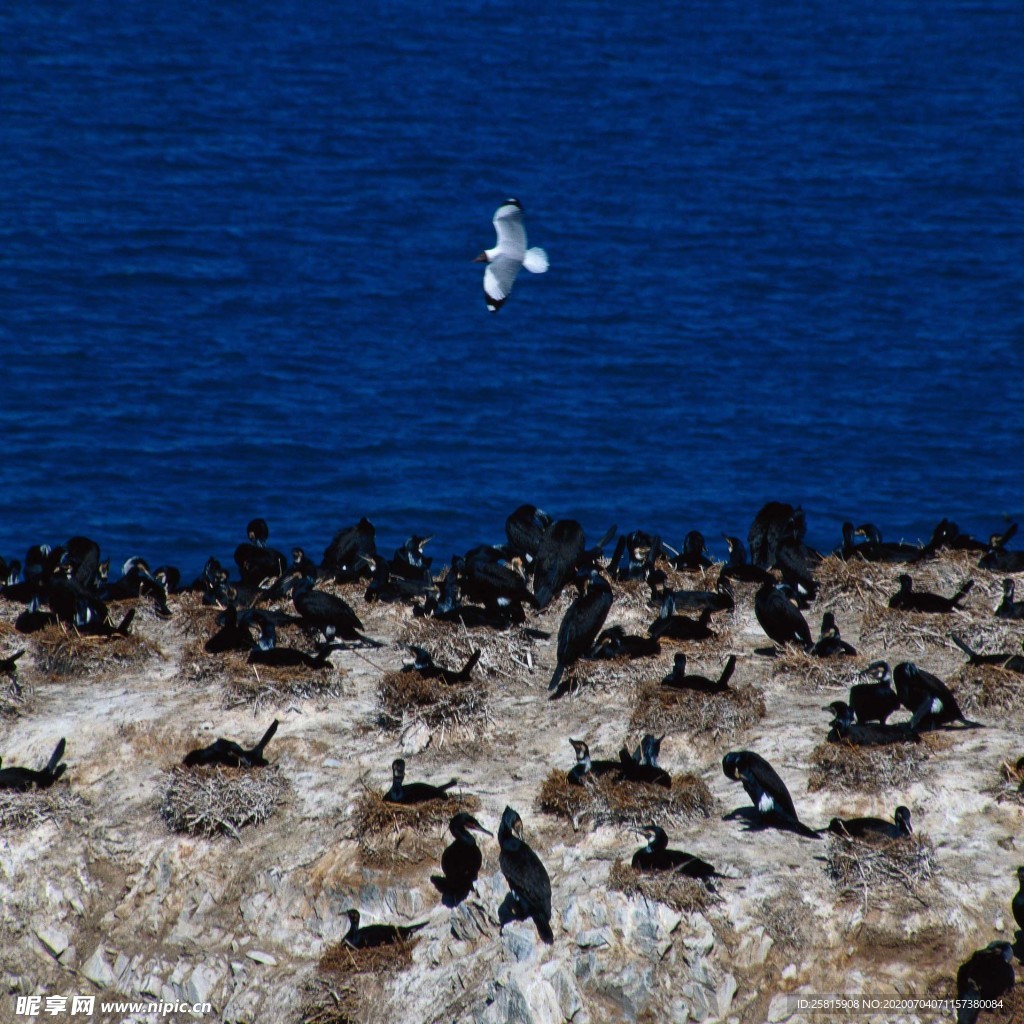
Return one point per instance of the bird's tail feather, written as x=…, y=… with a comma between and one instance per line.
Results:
x=536, y=260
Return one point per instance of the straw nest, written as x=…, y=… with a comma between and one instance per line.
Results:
x=65, y=653
x=990, y=689
x=879, y=867
x=15, y=695
x=348, y=984
x=452, y=713
x=392, y=834
x=1010, y=783
x=708, y=715
x=848, y=768
x=220, y=801
x=805, y=671
x=21, y=810
x=602, y=801
x=682, y=893
x=506, y=655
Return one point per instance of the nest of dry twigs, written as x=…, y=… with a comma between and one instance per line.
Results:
x=391, y=834
x=682, y=893
x=602, y=801
x=806, y=672
x=455, y=712
x=990, y=689
x=848, y=768
x=1010, y=784
x=220, y=801
x=32, y=807
x=866, y=868
x=65, y=653
x=659, y=709
x=348, y=983
x=506, y=655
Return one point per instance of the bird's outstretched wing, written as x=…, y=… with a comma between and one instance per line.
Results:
x=499, y=278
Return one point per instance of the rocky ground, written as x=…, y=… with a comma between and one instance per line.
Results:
x=101, y=896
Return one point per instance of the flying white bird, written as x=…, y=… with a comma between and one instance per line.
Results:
x=505, y=259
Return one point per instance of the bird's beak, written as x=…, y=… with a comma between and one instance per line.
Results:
x=482, y=258
x=477, y=827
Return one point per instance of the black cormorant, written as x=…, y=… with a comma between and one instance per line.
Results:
x=17, y=778
x=907, y=599
x=738, y=568
x=766, y=790
x=1017, y=905
x=586, y=765
x=694, y=555
x=560, y=549
x=345, y=558
x=524, y=529
x=373, y=935
x=230, y=754
x=990, y=968
x=615, y=642
x=678, y=679
x=413, y=792
x=865, y=828
x=656, y=856
x=527, y=880
x=873, y=734
x=1009, y=662
x=830, y=644
x=670, y=626
x=256, y=562
x=426, y=667
x=461, y=859
x=580, y=626
x=927, y=698
x=779, y=616
x=1008, y=607
x=874, y=702
x=332, y=615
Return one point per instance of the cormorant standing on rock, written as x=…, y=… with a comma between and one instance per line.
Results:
x=229, y=754
x=527, y=879
x=766, y=790
x=461, y=859
x=581, y=623
x=656, y=856
x=373, y=935
x=990, y=968
x=17, y=778
x=906, y=599
x=779, y=617
x=865, y=828
x=414, y=792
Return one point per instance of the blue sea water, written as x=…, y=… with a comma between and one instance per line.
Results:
x=235, y=240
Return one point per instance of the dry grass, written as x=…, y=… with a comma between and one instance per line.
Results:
x=602, y=801
x=65, y=653
x=452, y=713
x=684, y=894
x=392, y=834
x=707, y=715
x=24, y=810
x=847, y=768
x=786, y=918
x=879, y=867
x=806, y=672
x=506, y=655
x=15, y=695
x=990, y=689
x=348, y=983
x=220, y=801
x=1010, y=784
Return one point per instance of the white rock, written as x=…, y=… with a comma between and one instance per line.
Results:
x=780, y=1008
x=201, y=983
x=98, y=971
x=261, y=958
x=54, y=939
